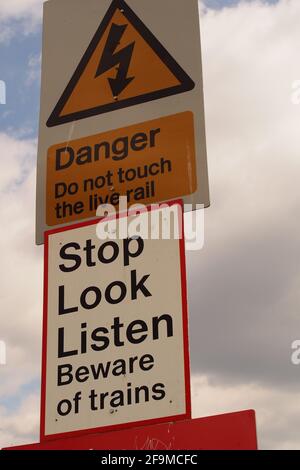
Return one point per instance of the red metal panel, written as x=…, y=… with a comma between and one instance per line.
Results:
x=234, y=431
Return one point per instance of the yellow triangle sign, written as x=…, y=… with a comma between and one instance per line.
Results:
x=124, y=65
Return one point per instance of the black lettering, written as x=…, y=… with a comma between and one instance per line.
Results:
x=138, y=391
x=136, y=328
x=83, y=298
x=92, y=397
x=117, y=399
x=82, y=374
x=70, y=257
x=113, y=257
x=122, y=295
x=89, y=247
x=64, y=370
x=139, y=286
x=155, y=325
x=60, y=190
x=84, y=155
x=146, y=362
x=128, y=252
x=61, y=345
x=153, y=134
x=139, y=141
x=61, y=154
x=62, y=310
x=116, y=327
x=103, y=339
x=64, y=407
x=120, y=148
x=158, y=392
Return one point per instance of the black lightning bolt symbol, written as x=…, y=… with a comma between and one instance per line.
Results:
x=111, y=59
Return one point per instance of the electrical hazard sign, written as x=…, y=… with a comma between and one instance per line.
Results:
x=122, y=108
x=145, y=163
x=115, y=341
x=124, y=65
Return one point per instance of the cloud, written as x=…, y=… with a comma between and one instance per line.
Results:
x=277, y=411
x=244, y=284
x=22, y=16
x=20, y=272
x=19, y=9
x=248, y=272
x=21, y=426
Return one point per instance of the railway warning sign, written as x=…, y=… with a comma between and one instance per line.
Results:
x=122, y=108
x=115, y=347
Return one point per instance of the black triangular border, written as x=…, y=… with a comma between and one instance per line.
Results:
x=187, y=83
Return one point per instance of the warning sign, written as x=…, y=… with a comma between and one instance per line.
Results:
x=124, y=65
x=103, y=56
x=148, y=162
x=115, y=348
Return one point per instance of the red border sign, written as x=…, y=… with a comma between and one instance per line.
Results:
x=184, y=416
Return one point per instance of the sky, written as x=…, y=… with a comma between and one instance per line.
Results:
x=244, y=284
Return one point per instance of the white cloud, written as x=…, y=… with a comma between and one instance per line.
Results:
x=277, y=411
x=20, y=426
x=19, y=159
x=244, y=285
x=20, y=270
x=19, y=9
x=19, y=16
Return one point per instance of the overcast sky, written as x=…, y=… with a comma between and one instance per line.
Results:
x=244, y=285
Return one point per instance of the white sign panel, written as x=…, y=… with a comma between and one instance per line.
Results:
x=122, y=95
x=115, y=341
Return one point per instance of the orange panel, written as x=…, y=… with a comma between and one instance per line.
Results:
x=149, y=162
